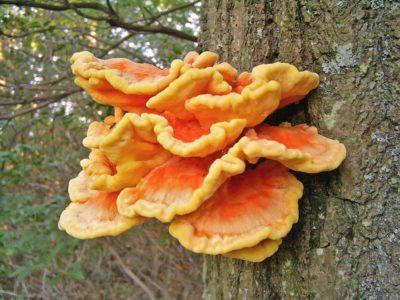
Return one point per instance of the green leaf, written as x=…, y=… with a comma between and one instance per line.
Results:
x=163, y=238
x=75, y=275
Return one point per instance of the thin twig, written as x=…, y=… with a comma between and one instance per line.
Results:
x=3, y=292
x=117, y=44
x=130, y=274
x=52, y=82
x=39, y=106
x=42, y=98
x=172, y=10
x=25, y=34
x=110, y=8
x=164, y=291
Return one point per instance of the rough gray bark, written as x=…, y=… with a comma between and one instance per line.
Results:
x=346, y=244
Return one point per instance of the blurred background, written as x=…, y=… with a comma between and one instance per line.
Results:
x=43, y=119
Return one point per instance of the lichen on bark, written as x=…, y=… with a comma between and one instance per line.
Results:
x=346, y=244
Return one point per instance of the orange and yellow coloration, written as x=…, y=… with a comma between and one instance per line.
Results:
x=188, y=145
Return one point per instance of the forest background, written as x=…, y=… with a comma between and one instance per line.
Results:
x=43, y=119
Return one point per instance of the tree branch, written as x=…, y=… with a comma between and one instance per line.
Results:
x=27, y=3
x=43, y=98
x=110, y=8
x=53, y=99
x=25, y=34
x=28, y=86
x=82, y=14
x=111, y=17
x=117, y=44
x=55, y=81
x=154, y=29
x=172, y=10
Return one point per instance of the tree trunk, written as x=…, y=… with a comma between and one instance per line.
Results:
x=346, y=244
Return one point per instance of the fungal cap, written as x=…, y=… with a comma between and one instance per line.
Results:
x=216, y=138
x=228, y=72
x=96, y=132
x=102, y=92
x=124, y=75
x=163, y=196
x=133, y=149
x=256, y=205
x=96, y=217
x=295, y=84
x=200, y=61
x=258, y=253
x=79, y=188
x=97, y=164
x=299, y=147
x=192, y=83
x=255, y=102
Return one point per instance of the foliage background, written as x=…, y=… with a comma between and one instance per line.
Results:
x=44, y=117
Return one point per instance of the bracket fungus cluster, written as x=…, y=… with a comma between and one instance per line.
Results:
x=188, y=145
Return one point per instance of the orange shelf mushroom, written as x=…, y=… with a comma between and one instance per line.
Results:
x=132, y=147
x=188, y=145
x=299, y=148
x=249, y=208
x=97, y=164
x=203, y=60
x=257, y=253
x=93, y=213
x=192, y=83
x=162, y=196
x=121, y=82
x=295, y=85
x=254, y=103
x=191, y=139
